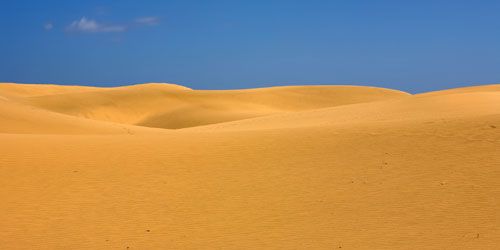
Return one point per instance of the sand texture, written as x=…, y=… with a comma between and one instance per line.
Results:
x=162, y=166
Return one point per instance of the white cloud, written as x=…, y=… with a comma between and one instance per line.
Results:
x=149, y=20
x=92, y=26
x=48, y=26
x=85, y=25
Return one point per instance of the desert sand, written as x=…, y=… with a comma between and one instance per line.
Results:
x=162, y=166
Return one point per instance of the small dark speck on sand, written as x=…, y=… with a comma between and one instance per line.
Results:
x=148, y=230
x=493, y=126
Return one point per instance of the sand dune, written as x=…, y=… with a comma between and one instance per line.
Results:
x=19, y=118
x=481, y=88
x=171, y=106
x=320, y=167
x=29, y=90
x=419, y=109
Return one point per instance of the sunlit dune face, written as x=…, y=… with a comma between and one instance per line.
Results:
x=161, y=166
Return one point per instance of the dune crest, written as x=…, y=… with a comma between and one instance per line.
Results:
x=161, y=166
x=173, y=107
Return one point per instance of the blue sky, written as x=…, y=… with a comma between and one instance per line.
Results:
x=414, y=46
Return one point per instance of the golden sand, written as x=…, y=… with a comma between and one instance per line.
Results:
x=161, y=166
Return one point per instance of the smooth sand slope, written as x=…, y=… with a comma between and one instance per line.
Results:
x=160, y=166
x=172, y=106
x=18, y=118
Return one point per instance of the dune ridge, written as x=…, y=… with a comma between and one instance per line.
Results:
x=161, y=166
x=171, y=106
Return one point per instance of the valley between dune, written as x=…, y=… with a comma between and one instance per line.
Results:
x=162, y=166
